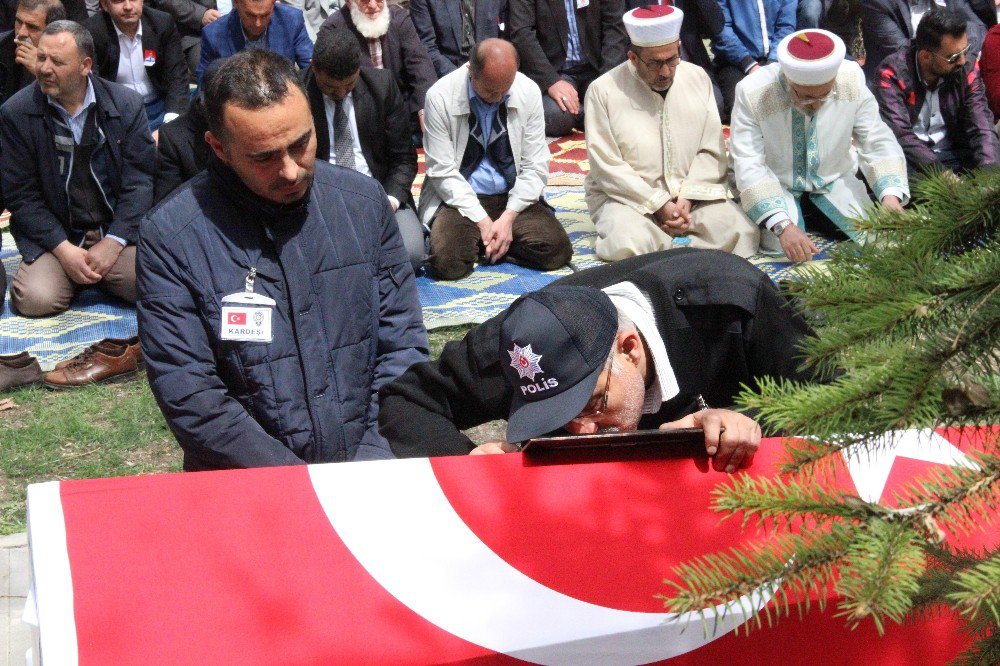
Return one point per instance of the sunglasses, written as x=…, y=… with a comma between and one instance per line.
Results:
x=954, y=57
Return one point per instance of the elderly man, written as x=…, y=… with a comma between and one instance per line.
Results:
x=801, y=128
x=19, y=48
x=77, y=176
x=389, y=41
x=140, y=48
x=487, y=165
x=658, y=166
x=644, y=342
x=362, y=124
x=934, y=99
x=275, y=296
x=564, y=45
x=257, y=24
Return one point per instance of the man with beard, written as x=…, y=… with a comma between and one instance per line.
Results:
x=257, y=24
x=389, y=41
x=934, y=100
x=645, y=342
x=801, y=128
x=658, y=168
x=275, y=295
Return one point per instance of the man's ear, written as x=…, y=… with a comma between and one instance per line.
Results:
x=216, y=146
x=630, y=344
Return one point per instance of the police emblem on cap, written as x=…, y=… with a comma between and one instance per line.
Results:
x=525, y=362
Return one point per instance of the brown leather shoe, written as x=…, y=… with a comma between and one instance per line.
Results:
x=19, y=370
x=109, y=346
x=97, y=364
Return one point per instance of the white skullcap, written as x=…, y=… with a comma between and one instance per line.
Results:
x=655, y=25
x=811, y=57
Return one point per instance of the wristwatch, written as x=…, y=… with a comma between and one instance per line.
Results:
x=780, y=227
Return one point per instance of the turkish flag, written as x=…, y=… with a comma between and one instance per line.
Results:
x=238, y=318
x=491, y=559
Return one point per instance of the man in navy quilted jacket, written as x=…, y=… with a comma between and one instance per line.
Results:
x=275, y=294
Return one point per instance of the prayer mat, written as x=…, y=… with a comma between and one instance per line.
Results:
x=93, y=316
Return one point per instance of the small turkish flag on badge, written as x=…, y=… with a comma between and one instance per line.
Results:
x=238, y=318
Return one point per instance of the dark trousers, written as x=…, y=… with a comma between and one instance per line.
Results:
x=727, y=75
x=539, y=240
x=3, y=286
x=557, y=121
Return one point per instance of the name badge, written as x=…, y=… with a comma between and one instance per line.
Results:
x=246, y=317
x=149, y=57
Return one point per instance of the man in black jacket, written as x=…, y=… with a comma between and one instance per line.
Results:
x=684, y=328
x=564, y=51
x=77, y=177
x=190, y=16
x=450, y=29
x=389, y=41
x=18, y=48
x=361, y=123
x=139, y=48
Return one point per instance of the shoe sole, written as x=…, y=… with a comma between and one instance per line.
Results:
x=113, y=379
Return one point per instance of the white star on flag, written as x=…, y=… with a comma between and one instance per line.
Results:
x=870, y=469
x=525, y=361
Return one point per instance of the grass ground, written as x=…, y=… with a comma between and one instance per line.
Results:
x=96, y=431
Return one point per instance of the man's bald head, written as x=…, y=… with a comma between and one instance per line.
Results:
x=492, y=67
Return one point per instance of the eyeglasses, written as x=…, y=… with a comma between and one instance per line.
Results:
x=657, y=65
x=598, y=405
x=801, y=99
x=954, y=57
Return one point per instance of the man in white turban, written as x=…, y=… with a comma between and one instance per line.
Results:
x=658, y=168
x=793, y=126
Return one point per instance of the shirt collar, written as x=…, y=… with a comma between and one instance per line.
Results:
x=89, y=99
x=630, y=301
x=138, y=32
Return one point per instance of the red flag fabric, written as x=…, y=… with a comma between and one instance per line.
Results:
x=492, y=559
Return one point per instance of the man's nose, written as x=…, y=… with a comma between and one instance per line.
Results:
x=289, y=169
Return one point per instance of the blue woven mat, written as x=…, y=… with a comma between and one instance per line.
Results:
x=476, y=298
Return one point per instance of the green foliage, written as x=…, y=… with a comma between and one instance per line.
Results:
x=908, y=336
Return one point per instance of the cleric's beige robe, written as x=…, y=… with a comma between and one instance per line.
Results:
x=645, y=150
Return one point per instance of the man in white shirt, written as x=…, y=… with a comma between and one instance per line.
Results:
x=140, y=48
x=801, y=128
x=362, y=123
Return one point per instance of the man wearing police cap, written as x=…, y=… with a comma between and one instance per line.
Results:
x=643, y=342
x=658, y=167
x=801, y=127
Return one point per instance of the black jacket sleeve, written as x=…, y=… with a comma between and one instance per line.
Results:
x=169, y=172
x=400, y=155
x=422, y=412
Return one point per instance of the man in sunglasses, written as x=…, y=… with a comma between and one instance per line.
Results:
x=644, y=342
x=801, y=129
x=658, y=167
x=933, y=98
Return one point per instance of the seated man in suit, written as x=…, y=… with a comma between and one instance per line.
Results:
x=362, y=124
x=19, y=48
x=257, y=24
x=389, y=41
x=563, y=46
x=645, y=342
x=181, y=149
x=139, y=48
x=890, y=25
x=449, y=30
x=190, y=17
x=77, y=177
x=487, y=165
x=931, y=96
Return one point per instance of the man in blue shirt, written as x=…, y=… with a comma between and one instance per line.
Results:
x=749, y=40
x=487, y=165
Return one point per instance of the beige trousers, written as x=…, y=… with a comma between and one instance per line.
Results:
x=715, y=225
